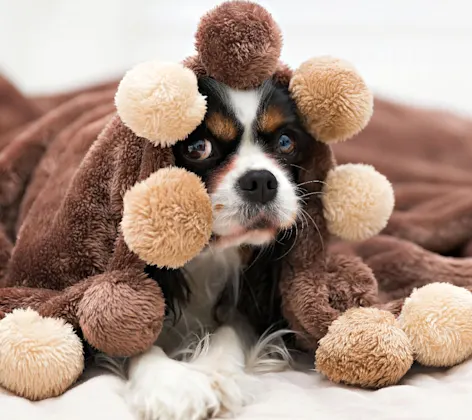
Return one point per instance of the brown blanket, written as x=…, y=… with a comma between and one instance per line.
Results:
x=425, y=153
x=28, y=126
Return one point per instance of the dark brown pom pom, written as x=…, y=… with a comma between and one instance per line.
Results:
x=239, y=44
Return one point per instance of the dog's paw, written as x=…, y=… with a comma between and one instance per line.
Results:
x=174, y=391
x=234, y=390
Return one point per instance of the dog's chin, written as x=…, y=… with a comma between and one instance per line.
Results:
x=258, y=229
x=255, y=237
x=258, y=232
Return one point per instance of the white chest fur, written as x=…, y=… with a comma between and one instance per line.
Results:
x=207, y=275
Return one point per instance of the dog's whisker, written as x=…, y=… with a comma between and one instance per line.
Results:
x=259, y=254
x=317, y=181
x=312, y=193
x=299, y=167
x=302, y=218
x=284, y=235
x=317, y=229
x=292, y=246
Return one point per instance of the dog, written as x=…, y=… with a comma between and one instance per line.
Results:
x=248, y=152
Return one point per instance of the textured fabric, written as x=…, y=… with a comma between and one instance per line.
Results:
x=62, y=190
x=64, y=202
x=426, y=154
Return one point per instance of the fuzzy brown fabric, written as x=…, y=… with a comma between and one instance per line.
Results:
x=433, y=216
x=428, y=161
x=15, y=109
x=25, y=133
x=426, y=154
x=68, y=193
x=68, y=225
x=68, y=208
x=67, y=161
x=70, y=240
x=61, y=202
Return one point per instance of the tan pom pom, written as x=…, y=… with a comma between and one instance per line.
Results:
x=239, y=44
x=332, y=98
x=437, y=318
x=364, y=347
x=167, y=218
x=39, y=357
x=357, y=200
x=160, y=102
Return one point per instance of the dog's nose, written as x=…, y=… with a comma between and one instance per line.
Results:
x=258, y=186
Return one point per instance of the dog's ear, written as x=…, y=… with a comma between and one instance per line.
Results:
x=332, y=98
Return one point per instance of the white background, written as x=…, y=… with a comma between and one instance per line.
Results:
x=417, y=51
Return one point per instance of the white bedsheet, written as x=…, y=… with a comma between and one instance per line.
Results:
x=425, y=394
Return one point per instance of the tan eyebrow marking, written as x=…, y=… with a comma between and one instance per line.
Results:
x=271, y=119
x=221, y=126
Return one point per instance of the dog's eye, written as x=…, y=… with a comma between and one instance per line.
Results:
x=199, y=150
x=286, y=145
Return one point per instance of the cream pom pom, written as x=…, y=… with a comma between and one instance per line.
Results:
x=333, y=99
x=358, y=201
x=167, y=218
x=160, y=102
x=364, y=347
x=437, y=318
x=39, y=357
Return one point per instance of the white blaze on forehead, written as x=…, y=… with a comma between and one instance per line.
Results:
x=250, y=155
x=245, y=104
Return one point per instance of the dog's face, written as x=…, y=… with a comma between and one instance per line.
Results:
x=247, y=151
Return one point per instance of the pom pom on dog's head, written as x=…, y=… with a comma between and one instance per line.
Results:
x=239, y=44
x=255, y=132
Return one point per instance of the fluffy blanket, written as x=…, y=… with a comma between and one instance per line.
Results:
x=425, y=153
x=34, y=130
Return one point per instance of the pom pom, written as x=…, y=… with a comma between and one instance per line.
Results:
x=437, y=319
x=357, y=200
x=239, y=44
x=121, y=313
x=167, y=218
x=364, y=347
x=39, y=357
x=160, y=102
x=332, y=98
